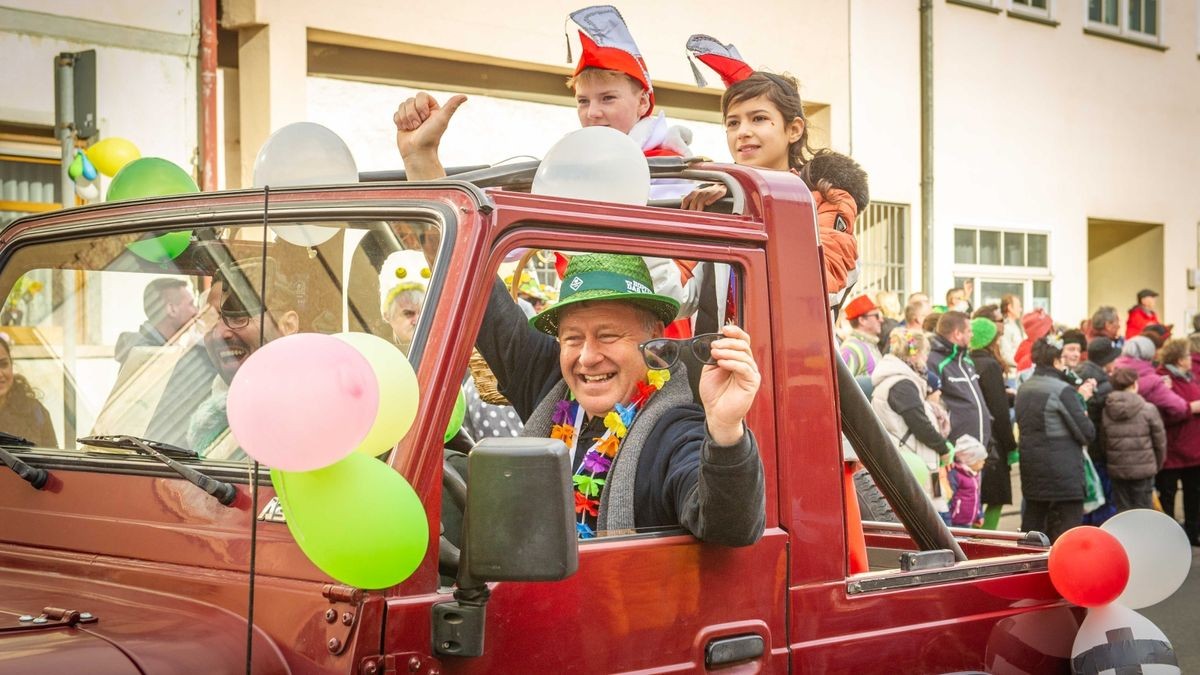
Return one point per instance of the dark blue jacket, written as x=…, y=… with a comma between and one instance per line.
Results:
x=960, y=391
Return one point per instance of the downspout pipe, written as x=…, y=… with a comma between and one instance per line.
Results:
x=208, y=95
x=927, y=145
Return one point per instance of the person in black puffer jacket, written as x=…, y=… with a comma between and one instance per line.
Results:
x=1054, y=428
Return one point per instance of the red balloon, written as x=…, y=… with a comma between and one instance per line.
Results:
x=1089, y=566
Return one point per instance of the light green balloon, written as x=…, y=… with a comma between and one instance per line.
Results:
x=162, y=248
x=456, y=417
x=916, y=465
x=149, y=177
x=357, y=520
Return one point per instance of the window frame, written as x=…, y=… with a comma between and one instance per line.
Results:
x=1002, y=273
x=1122, y=29
x=148, y=221
x=25, y=148
x=1025, y=11
x=548, y=235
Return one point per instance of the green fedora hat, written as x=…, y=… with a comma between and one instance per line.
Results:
x=607, y=276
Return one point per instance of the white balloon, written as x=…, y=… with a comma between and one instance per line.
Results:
x=1103, y=638
x=597, y=163
x=87, y=190
x=305, y=235
x=1159, y=555
x=304, y=153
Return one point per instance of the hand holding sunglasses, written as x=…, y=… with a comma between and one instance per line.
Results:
x=729, y=382
x=662, y=353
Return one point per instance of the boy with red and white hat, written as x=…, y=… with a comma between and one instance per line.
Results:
x=612, y=88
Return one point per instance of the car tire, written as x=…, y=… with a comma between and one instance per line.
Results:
x=872, y=505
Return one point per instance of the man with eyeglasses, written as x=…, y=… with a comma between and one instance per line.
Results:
x=860, y=350
x=246, y=320
x=594, y=371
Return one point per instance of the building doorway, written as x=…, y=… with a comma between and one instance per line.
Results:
x=1123, y=258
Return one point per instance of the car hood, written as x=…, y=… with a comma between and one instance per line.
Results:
x=133, y=631
x=58, y=650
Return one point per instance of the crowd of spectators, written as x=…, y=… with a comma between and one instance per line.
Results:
x=1096, y=419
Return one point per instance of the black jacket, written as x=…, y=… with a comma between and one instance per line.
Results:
x=996, y=483
x=1097, y=449
x=960, y=391
x=1054, y=428
x=683, y=478
x=995, y=395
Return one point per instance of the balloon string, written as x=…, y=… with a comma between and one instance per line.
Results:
x=262, y=294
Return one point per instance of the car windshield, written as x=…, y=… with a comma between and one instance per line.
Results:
x=141, y=334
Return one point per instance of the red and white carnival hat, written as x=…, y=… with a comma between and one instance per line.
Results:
x=607, y=44
x=724, y=59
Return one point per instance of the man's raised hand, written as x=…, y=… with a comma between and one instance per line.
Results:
x=728, y=388
x=420, y=122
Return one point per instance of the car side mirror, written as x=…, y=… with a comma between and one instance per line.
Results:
x=520, y=520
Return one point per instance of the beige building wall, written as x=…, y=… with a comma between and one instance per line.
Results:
x=1039, y=126
x=1042, y=127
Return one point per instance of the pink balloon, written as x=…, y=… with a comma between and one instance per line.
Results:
x=303, y=402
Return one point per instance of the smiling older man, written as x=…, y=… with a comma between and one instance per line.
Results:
x=644, y=454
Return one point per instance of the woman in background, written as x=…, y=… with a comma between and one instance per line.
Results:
x=21, y=413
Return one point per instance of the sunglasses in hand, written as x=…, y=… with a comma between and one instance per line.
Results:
x=662, y=353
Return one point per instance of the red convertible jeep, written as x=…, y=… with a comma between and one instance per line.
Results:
x=136, y=537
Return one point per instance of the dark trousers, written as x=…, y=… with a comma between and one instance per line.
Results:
x=1051, y=518
x=1136, y=493
x=1166, y=481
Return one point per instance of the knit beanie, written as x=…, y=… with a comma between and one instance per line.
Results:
x=1101, y=351
x=1139, y=347
x=1036, y=324
x=968, y=450
x=983, y=331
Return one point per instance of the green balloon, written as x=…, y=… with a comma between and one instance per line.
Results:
x=149, y=177
x=456, y=417
x=916, y=465
x=357, y=520
x=162, y=248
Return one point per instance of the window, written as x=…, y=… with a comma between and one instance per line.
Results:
x=29, y=176
x=1040, y=9
x=1002, y=262
x=882, y=248
x=1137, y=19
x=140, y=334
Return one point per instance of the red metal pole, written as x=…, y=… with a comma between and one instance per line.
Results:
x=208, y=95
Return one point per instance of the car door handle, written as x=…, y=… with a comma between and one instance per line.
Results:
x=726, y=650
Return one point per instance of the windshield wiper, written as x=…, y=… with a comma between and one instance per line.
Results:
x=223, y=492
x=126, y=443
x=34, y=476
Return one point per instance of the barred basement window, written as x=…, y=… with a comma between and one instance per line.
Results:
x=882, y=246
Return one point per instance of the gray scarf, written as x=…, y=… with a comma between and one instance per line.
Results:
x=616, y=502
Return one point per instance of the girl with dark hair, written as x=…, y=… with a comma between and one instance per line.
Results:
x=21, y=414
x=765, y=127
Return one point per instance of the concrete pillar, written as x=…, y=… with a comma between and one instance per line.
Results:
x=272, y=72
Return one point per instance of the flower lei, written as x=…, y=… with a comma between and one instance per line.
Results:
x=590, y=477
